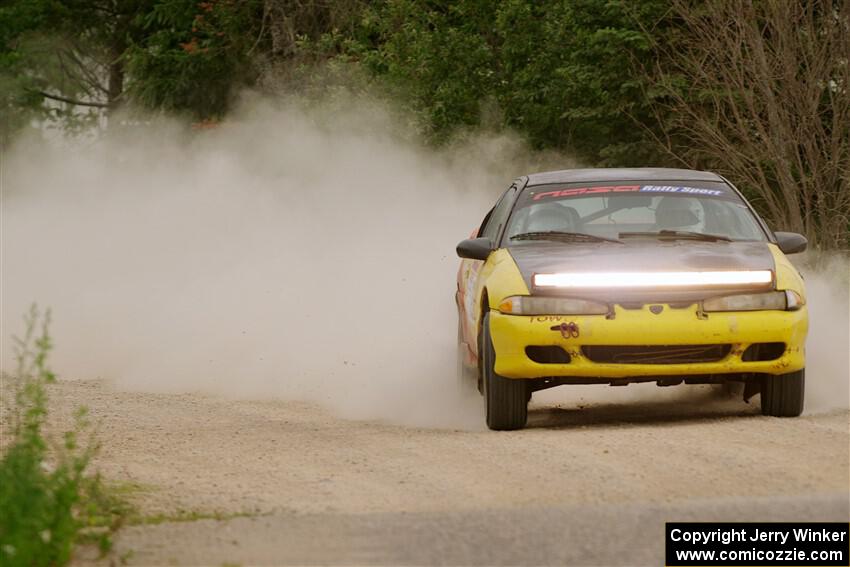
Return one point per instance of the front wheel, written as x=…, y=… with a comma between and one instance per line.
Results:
x=506, y=399
x=782, y=396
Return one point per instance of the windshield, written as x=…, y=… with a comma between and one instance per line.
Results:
x=632, y=210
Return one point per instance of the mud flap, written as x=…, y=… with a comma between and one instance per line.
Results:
x=751, y=388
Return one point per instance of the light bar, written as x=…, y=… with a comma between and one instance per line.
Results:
x=585, y=280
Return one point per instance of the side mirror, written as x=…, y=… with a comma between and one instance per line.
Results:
x=791, y=242
x=475, y=248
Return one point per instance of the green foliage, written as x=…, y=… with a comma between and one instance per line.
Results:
x=19, y=22
x=53, y=51
x=46, y=497
x=70, y=61
x=439, y=56
x=194, y=54
x=567, y=73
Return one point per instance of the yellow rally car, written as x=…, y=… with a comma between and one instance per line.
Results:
x=614, y=276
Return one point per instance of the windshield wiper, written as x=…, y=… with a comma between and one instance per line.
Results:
x=559, y=236
x=687, y=234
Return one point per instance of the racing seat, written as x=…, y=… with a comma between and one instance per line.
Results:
x=677, y=213
x=553, y=218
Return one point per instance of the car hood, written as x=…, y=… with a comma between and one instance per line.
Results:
x=641, y=255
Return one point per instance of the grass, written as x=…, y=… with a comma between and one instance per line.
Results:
x=49, y=499
x=114, y=503
x=188, y=516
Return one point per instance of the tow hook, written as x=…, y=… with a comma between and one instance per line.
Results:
x=568, y=330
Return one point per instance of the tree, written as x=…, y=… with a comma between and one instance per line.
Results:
x=560, y=72
x=761, y=92
x=70, y=54
x=195, y=54
x=74, y=59
x=573, y=77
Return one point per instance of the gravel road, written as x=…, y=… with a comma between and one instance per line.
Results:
x=290, y=483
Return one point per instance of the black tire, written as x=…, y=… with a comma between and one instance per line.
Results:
x=506, y=399
x=782, y=396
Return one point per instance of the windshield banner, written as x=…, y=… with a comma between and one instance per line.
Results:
x=666, y=189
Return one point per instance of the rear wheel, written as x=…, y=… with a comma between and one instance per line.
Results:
x=782, y=396
x=506, y=399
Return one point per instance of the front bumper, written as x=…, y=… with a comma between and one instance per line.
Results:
x=511, y=334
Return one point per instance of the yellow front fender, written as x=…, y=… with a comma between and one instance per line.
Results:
x=497, y=278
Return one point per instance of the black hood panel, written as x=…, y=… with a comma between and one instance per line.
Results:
x=641, y=255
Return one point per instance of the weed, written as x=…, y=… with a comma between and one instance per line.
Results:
x=47, y=496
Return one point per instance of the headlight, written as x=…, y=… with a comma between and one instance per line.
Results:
x=774, y=301
x=532, y=305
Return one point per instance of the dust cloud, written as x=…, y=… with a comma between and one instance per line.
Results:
x=828, y=343
x=291, y=252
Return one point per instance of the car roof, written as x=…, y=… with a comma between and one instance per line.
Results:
x=621, y=174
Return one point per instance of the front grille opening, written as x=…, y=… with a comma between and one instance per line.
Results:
x=670, y=304
x=547, y=354
x=761, y=352
x=655, y=354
